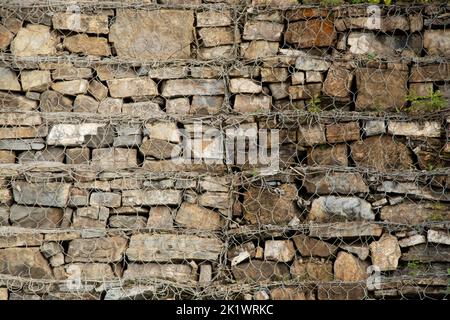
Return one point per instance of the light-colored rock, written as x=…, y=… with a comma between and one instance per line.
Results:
x=22, y=132
x=71, y=134
x=151, y=197
x=34, y=40
x=114, y=158
x=178, y=106
x=35, y=80
x=9, y=80
x=349, y=268
x=274, y=74
x=219, y=52
x=128, y=87
x=311, y=134
x=252, y=103
x=335, y=182
x=338, y=82
x=412, y=241
x=242, y=85
x=196, y=217
x=79, y=22
x=210, y=18
x=385, y=253
x=51, y=194
x=72, y=87
x=258, y=49
x=279, y=250
x=345, y=230
x=437, y=42
x=430, y=129
x=85, y=103
x=189, y=87
x=106, y=199
x=52, y=101
x=166, y=247
x=438, y=236
x=310, y=63
x=6, y=37
x=142, y=34
x=82, y=43
x=374, y=127
x=312, y=247
x=308, y=91
x=262, y=30
x=164, y=131
x=127, y=222
x=19, y=119
x=217, y=36
x=333, y=208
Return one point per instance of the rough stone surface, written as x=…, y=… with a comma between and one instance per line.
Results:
x=279, y=250
x=385, y=253
x=121, y=88
x=96, y=250
x=333, y=208
x=24, y=262
x=311, y=33
x=50, y=194
x=34, y=40
x=311, y=270
x=312, y=247
x=196, y=217
x=349, y=268
x=139, y=34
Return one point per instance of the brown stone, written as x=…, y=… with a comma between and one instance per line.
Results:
x=129, y=87
x=193, y=216
x=160, y=149
x=311, y=33
x=96, y=250
x=309, y=247
x=341, y=291
x=335, y=182
x=24, y=262
x=323, y=155
x=342, y=132
x=258, y=271
x=382, y=153
x=412, y=213
x=380, y=89
x=291, y=293
x=52, y=101
x=338, y=82
x=267, y=207
x=213, y=37
x=258, y=49
x=34, y=40
x=312, y=270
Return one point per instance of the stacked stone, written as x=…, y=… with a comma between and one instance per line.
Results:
x=100, y=197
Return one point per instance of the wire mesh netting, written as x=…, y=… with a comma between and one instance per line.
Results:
x=224, y=150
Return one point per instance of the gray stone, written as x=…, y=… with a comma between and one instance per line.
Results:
x=279, y=250
x=35, y=217
x=52, y=101
x=106, y=199
x=9, y=80
x=151, y=197
x=335, y=182
x=85, y=103
x=71, y=87
x=166, y=247
x=189, y=87
x=333, y=208
x=107, y=250
x=71, y=134
x=437, y=42
x=52, y=194
x=181, y=273
x=16, y=102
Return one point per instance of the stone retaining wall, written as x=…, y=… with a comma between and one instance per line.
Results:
x=109, y=189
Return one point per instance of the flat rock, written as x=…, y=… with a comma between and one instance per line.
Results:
x=252, y=103
x=413, y=213
x=114, y=158
x=430, y=129
x=82, y=43
x=335, y=155
x=335, y=182
x=16, y=102
x=262, y=30
x=78, y=22
x=213, y=37
x=211, y=18
x=9, y=80
x=243, y=85
x=141, y=34
x=163, y=131
x=151, y=197
x=438, y=236
x=35, y=80
x=437, y=42
x=132, y=87
x=71, y=134
x=107, y=250
x=160, y=217
x=345, y=230
x=331, y=208
x=24, y=262
x=167, y=247
x=50, y=194
x=71, y=87
x=189, y=87
x=193, y=216
x=159, y=149
x=258, y=49
x=52, y=101
x=279, y=250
